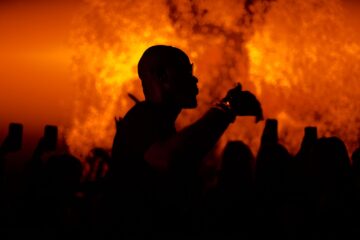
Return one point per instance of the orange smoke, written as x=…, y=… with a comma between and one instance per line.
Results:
x=299, y=57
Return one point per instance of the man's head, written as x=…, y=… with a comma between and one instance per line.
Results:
x=167, y=77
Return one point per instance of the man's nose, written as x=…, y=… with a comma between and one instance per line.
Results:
x=196, y=80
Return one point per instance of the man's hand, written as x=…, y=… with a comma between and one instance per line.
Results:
x=244, y=103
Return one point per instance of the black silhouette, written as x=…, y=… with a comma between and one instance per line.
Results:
x=355, y=159
x=298, y=169
x=13, y=140
x=229, y=207
x=329, y=187
x=307, y=144
x=272, y=182
x=94, y=184
x=12, y=143
x=159, y=166
x=35, y=167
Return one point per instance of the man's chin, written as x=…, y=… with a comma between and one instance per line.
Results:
x=190, y=105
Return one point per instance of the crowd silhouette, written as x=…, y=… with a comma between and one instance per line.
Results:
x=151, y=180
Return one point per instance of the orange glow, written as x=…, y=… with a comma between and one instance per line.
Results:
x=301, y=58
x=309, y=52
x=35, y=88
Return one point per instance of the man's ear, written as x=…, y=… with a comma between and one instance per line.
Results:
x=164, y=80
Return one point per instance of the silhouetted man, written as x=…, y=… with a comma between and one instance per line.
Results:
x=155, y=165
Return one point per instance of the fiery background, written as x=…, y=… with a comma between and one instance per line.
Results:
x=301, y=58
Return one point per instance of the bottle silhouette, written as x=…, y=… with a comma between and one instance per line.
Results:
x=272, y=182
x=13, y=140
x=300, y=168
x=270, y=133
x=308, y=142
x=267, y=161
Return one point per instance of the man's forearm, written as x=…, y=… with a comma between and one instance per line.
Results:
x=202, y=135
x=192, y=142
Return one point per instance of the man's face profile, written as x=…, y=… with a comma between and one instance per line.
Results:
x=182, y=82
